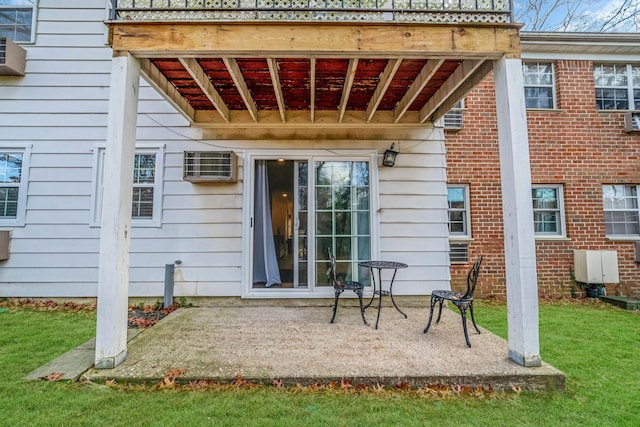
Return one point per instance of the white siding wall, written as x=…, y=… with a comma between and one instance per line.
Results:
x=413, y=216
x=60, y=107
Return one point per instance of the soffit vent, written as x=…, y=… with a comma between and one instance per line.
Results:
x=458, y=252
x=12, y=58
x=210, y=166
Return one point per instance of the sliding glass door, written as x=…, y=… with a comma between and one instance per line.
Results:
x=301, y=209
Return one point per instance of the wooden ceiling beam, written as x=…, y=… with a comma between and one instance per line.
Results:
x=168, y=91
x=474, y=78
x=427, y=72
x=277, y=87
x=346, y=89
x=291, y=39
x=241, y=85
x=200, y=77
x=312, y=88
x=465, y=70
x=383, y=84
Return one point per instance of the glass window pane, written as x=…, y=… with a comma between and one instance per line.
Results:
x=455, y=197
x=343, y=212
x=323, y=223
x=142, y=206
x=144, y=169
x=343, y=223
x=362, y=198
x=342, y=197
x=8, y=202
x=363, y=226
x=621, y=209
x=323, y=198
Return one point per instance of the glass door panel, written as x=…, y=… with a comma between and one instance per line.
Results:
x=342, y=219
x=301, y=269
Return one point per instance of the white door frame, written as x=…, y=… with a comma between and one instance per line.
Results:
x=250, y=156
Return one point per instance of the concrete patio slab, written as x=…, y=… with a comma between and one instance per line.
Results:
x=71, y=365
x=298, y=345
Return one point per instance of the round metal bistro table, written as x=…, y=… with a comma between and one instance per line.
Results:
x=377, y=286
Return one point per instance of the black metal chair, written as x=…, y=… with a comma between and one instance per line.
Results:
x=460, y=300
x=339, y=286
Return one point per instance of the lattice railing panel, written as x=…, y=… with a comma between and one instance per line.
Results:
x=427, y=11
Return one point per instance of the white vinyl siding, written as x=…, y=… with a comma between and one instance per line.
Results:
x=60, y=108
x=413, y=216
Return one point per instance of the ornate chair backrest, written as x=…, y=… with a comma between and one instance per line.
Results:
x=332, y=262
x=472, y=278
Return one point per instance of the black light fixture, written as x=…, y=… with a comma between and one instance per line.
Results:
x=389, y=158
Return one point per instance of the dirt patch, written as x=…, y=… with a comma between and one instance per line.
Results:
x=147, y=316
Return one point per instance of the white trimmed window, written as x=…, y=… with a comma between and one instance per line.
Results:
x=539, y=91
x=458, y=207
x=621, y=211
x=548, y=211
x=617, y=86
x=17, y=19
x=459, y=223
x=14, y=167
x=146, y=203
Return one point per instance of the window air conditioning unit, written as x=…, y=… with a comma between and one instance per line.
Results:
x=210, y=166
x=631, y=122
x=12, y=58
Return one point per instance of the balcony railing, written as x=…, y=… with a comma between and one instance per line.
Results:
x=425, y=11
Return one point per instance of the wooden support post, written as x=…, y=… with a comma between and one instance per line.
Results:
x=113, y=274
x=519, y=238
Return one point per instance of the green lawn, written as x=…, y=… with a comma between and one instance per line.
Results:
x=598, y=347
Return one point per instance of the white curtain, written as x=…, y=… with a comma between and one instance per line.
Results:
x=265, y=263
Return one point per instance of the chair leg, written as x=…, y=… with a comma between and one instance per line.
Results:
x=463, y=314
x=473, y=320
x=432, y=305
x=359, y=293
x=335, y=304
x=440, y=310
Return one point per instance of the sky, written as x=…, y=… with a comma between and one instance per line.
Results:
x=592, y=10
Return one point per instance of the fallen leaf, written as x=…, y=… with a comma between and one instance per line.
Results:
x=54, y=376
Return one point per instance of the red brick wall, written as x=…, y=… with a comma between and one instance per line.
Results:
x=575, y=146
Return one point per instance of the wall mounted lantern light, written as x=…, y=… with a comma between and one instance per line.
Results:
x=389, y=158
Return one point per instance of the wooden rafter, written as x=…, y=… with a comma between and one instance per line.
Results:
x=427, y=72
x=160, y=83
x=476, y=77
x=241, y=85
x=275, y=80
x=312, y=88
x=459, y=76
x=200, y=77
x=385, y=80
x=346, y=90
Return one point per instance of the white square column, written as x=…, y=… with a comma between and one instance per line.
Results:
x=519, y=236
x=115, y=234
